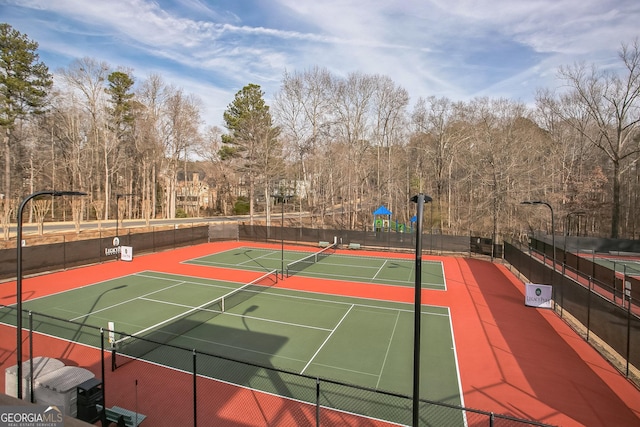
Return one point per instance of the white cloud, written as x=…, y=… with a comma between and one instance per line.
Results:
x=454, y=48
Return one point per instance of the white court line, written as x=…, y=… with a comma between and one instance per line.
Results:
x=125, y=302
x=171, y=319
x=212, y=378
x=175, y=304
x=444, y=277
x=327, y=339
x=384, y=362
x=85, y=286
x=412, y=273
x=228, y=313
x=379, y=270
x=455, y=359
x=361, y=279
x=328, y=301
x=353, y=371
x=201, y=307
x=262, y=256
x=201, y=281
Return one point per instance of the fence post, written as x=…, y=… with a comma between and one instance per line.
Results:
x=102, y=370
x=31, y=399
x=562, y=279
x=615, y=289
x=624, y=284
x=589, y=309
x=627, y=296
x=195, y=391
x=317, y=402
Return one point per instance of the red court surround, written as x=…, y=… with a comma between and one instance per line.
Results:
x=513, y=360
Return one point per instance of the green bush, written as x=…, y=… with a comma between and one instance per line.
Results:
x=241, y=206
x=180, y=213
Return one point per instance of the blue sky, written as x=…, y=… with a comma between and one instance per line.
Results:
x=459, y=49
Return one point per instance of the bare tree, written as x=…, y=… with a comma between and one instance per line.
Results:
x=352, y=106
x=566, y=122
x=302, y=110
x=98, y=206
x=87, y=77
x=41, y=207
x=389, y=130
x=221, y=175
x=612, y=101
x=68, y=128
x=77, y=207
x=438, y=119
x=8, y=208
x=180, y=122
x=148, y=140
x=497, y=159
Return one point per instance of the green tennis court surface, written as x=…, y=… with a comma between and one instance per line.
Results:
x=630, y=267
x=358, y=341
x=367, y=269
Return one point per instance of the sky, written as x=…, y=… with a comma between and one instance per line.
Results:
x=459, y=49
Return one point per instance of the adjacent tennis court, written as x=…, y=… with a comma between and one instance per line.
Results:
x=621, y=264
x=329, y=265
x=360, y=341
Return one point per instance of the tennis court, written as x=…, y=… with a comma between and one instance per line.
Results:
x=329, y=265
x=360, y=341
x=626, y=265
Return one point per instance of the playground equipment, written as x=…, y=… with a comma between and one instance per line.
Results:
x=382, y=222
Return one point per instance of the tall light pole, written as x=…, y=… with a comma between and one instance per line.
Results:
x=420, y=200
x=282, y=234
x=19, y=272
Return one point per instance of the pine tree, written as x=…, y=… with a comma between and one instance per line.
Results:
x=24, y=83
x=252, y=140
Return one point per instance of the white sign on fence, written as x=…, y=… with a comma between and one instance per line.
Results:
x=537, y=295
x=126, y=253
x=112, y=334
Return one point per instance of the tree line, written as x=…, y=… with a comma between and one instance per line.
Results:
x=336, y=147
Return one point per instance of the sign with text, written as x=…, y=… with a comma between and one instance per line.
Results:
x=112, y=334
x=536, y=295
x=31, y=416
x=126, y=253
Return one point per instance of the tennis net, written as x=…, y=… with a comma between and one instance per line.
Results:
x=137, y=345
x=301, y=264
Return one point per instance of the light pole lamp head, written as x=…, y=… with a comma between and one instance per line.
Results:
x=425, y=198
x=119, y=195
x=69, y=193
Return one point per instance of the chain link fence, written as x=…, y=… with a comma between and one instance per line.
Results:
x=590, y=297
x=176, y=385
x=38, y=258
x=66, y=254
